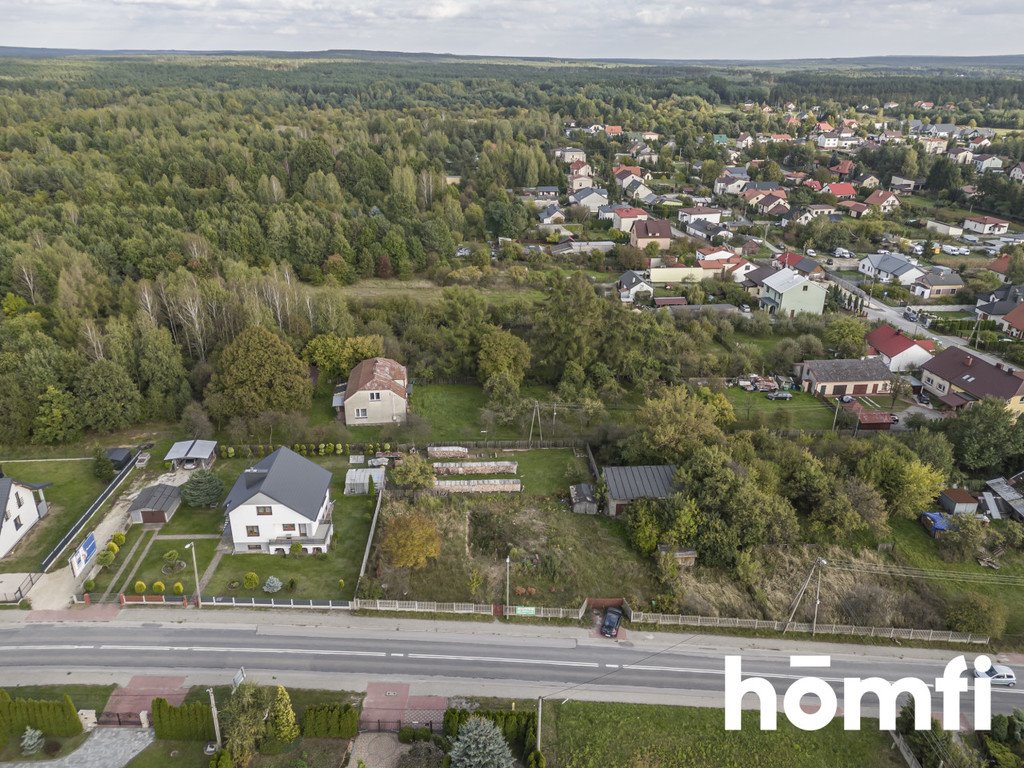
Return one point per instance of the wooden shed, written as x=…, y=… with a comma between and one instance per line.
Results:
x=155, y=504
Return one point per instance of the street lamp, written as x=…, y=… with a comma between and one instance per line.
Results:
x=508, y=574
x=216, y=717
x=195, y=569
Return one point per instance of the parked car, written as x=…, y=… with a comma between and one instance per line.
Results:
x=894, y=419
x=998, y=674
x=923, y=399
x=780, y=395
x=611, y=621
x=811, y=252
x=745, y=309
x=845, y=398
x=830, y=262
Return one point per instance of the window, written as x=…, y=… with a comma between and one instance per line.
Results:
x=288, y=527
x=17, y=523
x=374, y=397
x=17, y=498
x=805, y=287
x=255, y=547
x=360, y=413
x=263, y=511
x=252, y=531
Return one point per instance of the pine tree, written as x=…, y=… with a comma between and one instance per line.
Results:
x=281, y=724
x=480, y=745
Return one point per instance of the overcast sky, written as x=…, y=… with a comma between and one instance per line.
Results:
x=681, y=29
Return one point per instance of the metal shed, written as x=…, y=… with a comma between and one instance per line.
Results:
x=357, y=481
x=119, y=457
x=155, y=504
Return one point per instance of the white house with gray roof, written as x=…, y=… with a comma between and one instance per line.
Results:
x=787, y=293
x=889, y=268
x=23, y=505
x=282, y=499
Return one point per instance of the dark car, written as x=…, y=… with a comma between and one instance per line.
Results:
x=923, y=399
x=780, y=395
x=611, y=621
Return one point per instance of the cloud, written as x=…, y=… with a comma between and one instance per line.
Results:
x=733, y=29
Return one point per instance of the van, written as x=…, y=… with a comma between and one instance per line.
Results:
x=952, y=250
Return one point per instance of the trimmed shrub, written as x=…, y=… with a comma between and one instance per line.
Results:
x=519, y=727
x=222, y=760
x=106, y=559
x=251, y=580
x=338, y=721
x=118, y=538
x=295, y=548
x=89, y=585
x=140, y=587
x=405, y=734
x=341, y=584
x=112, y=548
x=272, y=585
x=52, y=718
x=159, y=588
x=178, y=588
x=189, y=722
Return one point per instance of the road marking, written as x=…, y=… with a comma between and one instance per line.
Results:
x=505, y=660
x=48, y=647
x=213, y=649
x=398, y=655
x=612, y=666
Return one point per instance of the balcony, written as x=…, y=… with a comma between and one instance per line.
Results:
x=322, y=539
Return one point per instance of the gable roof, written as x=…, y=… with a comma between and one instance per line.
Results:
x=289, y=479
x=840, y=189
x=653, y=228
x=942, y=277
x=890, y=341
x=758, y=276
x=880, y=196
x=871, y=369
x=191, y=449
x=643, y=482
x=378, y=373
x=161, y=496
x=630, y=213
x=973, y=375
x=1015, y=317
x=890, y=263
x=631, y=278
x=6, y=486
x=784, y=280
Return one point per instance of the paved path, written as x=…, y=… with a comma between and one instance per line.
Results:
x=187, y=536
x=211, y=569
x=105, y=748
x=377, y=750
x=117, y=584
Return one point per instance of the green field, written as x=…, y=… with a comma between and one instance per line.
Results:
x=315, y=576
x=74, y=489
x=592, y=735
x=191, y=520
x=754, y=409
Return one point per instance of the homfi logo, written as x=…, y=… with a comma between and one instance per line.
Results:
x=949, y=686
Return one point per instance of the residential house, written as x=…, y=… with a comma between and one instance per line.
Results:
x=377, y=392
x=984, y=163
x=842, y=169
x=580, y=168
x=613, y=131
x=625, y=485
x=773, y=204
x=624, y=218
x=155, y=504
x=996, y=304
x=842, y=190
x=830, y=378
x=829, y=140
x=1017, y=172
x=631, y=284
x=1012, y=323
x=891, y=137
x=637, y=190
x=986, y=225
x=887, y=202
x=800, y=264
x=853, y=208
x=960, y=155
x=570, y=154
x=1000, y=266
x=939, y=281
x=591, y=198
x=933, y=145
x=978, y=142
x=889, y=268
x=281, y=500
x=753, y=281
x=787, y=294
x=809, y=213
x=866, y=181
x=726, y=266
x=23, y=506
x=957, y=378
x=897, y=350
x=607, y=212
x=904, y=186
x=744, y=140
x=656, y=231
x=551, y=215
x=701, y=213
x=192, y=454
x=729, y=185
x=706, y=230
x=576, y=183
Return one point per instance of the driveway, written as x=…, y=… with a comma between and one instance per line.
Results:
x=105, y=748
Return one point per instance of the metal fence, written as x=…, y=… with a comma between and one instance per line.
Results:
x=80, y=523
x=889, y=633
x=541, y=612
x=419, y=606
x=904, y=748
x=275, y=602
x=21, y=590
x=516, y=445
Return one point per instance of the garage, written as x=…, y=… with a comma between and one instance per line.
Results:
x=155, y=504
x=860, y=389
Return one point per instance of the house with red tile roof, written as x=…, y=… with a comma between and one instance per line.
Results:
x=1012, y=322
x=898, y=351
x=840, y=189
x=843, y=168
x=884, y=200
x=853, y=208
x=986, y=225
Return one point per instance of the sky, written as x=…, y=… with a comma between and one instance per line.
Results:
x=675, y=29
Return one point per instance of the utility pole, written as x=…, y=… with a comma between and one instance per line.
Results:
x=508, y=573
x=195, y=569
x=800, y=597
x=216, y=717
x=817, y=597
x=540, y=714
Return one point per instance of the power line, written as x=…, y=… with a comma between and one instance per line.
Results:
x=922, y=573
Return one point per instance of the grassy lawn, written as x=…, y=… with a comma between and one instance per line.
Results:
x=195, y=520
x=804, y=411
x=589, y=735
x=301, y=697
x=315, y=577
x=105, y=575
x=12, y=750
x=915, y=548
x=561, y=556
x=176, y=754
x=83, y=696
x=544, y=471
x=149, y=569
x=74, y=489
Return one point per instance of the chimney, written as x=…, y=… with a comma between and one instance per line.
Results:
x=969, y=361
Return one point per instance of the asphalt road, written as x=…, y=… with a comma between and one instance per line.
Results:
x=562, y=665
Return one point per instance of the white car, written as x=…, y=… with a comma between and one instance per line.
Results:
x=999, y=674
x=811, y=252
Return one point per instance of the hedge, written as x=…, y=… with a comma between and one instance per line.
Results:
x=53, y=718
x=189, y=722
x=338, y=721
x=519, y=727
